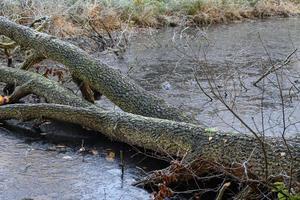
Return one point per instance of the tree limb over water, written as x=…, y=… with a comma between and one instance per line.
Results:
x=148, y=122
x=117, y=87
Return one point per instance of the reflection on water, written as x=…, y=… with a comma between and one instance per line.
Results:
x=162, y=61
x=30, y=169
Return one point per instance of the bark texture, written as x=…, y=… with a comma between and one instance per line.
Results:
x=167, y=137
x=164, y=136
x=119, y=88
x=41, y=86
x=161, y=135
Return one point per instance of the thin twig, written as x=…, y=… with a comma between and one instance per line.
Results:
x=201, y=88
x=273, y=68
x=222, y=190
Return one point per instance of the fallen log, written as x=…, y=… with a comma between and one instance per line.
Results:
x=119, y=88
x=167, y=137
x=164, y=136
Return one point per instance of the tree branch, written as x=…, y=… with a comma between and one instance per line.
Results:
x=119, y=88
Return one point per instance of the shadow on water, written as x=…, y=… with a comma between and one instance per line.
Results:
x=32, y=167
x=162, y=61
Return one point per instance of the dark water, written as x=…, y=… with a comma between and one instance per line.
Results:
x=165, y=61
x=30, y=168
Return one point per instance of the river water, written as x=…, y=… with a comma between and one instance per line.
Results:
x=166, y=62
x=233, y=57
x=41, y=170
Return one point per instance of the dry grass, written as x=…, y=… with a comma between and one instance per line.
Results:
x=71, y=17
x=210, y=14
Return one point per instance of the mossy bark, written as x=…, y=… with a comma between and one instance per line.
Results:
x=164, y=136
x=119, y=88
x=41, y=86
x=161, y=135
x=167, y=137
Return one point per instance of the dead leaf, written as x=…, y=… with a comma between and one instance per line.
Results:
x=94, y=152
x=4, y=100
x=60, y=146
x=110, y=156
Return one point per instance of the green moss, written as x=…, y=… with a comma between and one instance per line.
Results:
x=283, y=192
x=211, y=131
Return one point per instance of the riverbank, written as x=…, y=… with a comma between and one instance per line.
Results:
x=157, y=64
x=71, y=17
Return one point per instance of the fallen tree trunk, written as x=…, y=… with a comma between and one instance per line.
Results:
x=164, y=136
x=120, y=89
x=167, y=137
x=161, y=135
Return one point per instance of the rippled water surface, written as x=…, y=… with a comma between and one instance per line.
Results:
x=32, y=169
x=235, y=55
